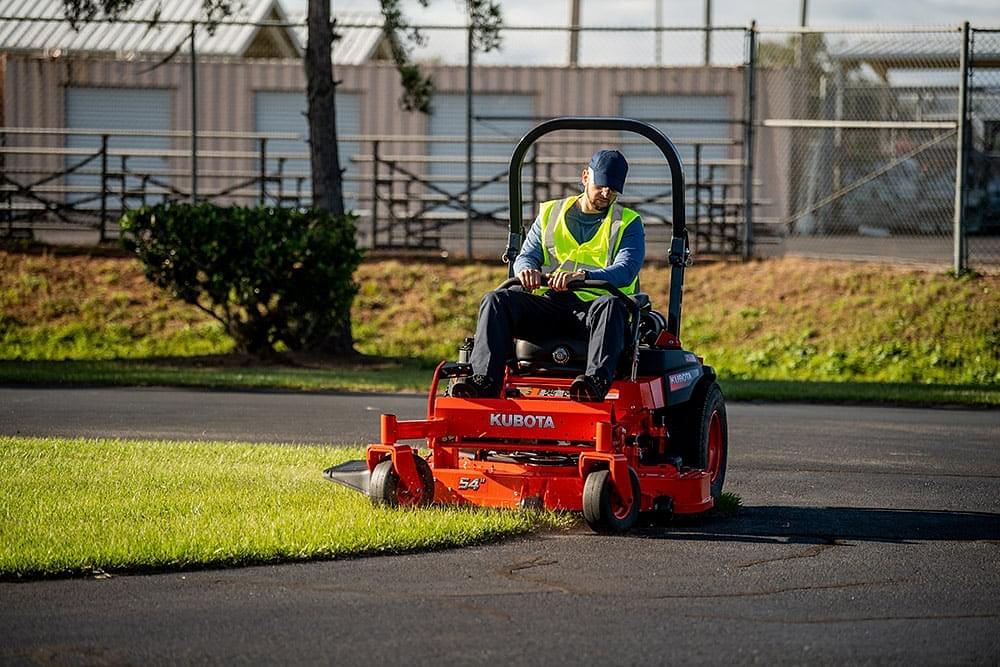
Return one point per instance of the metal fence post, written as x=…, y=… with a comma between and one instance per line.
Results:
x=124, y=184
x=375, y=166
x=750, y=100
x=263, y=170
x=708, y=33
x=104, y=187
x=697, y=190
x=194, y=119
x=281, y=181
x=962, y=158
x=468, y=145
x=9, y=197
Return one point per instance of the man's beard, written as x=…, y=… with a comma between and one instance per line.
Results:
x=597, y=204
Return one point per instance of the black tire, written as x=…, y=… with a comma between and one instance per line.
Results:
x=602, y=508
x=701, y=429
x=384, y=487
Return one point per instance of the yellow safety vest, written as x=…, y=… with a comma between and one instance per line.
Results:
x=562, y=252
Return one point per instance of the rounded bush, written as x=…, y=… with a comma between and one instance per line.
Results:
x=269, y=275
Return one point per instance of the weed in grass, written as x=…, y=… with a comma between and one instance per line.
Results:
x=728, y=505
x=30, y=283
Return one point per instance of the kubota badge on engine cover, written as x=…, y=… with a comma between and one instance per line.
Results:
x=681, y=380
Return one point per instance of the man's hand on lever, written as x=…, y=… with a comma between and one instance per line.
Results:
x=530, y=278
x=561, y=279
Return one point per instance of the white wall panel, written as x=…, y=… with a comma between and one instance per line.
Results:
x=448, y=119
x=281, y=111
x=680, y=117
x=118, y=109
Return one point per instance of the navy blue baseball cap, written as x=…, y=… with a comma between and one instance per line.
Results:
x=610, y=169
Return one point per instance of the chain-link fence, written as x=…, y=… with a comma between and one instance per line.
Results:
x=854, y=133
x=982, y=199
x=860, y=128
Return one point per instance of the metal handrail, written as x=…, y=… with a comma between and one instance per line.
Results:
x=65, y=131
x=344, y=138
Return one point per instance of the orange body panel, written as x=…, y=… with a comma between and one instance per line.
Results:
x=541, y=418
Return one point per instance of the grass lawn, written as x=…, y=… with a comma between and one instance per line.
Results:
x=876, y=393
x=73, y=506
x=784, y=329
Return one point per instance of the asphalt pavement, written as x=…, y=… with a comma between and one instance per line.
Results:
x=870, y=535
x=179, y=414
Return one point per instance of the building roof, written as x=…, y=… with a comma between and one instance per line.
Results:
x=359, y=36
x=40, y=27
x=919, y=50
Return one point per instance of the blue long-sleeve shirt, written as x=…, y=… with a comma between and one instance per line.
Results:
x=622, y=271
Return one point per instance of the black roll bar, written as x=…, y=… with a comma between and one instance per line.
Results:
x=678, y=254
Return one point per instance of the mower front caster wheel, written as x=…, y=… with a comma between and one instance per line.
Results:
x=603, y=508
x=385, y=487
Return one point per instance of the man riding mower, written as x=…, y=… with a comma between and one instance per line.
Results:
x=574, y=394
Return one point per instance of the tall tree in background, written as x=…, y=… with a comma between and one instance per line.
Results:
x=327, y=181
x=321, y=85
x=81, y=11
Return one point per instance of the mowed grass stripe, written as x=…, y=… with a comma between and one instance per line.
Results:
x=76, y=506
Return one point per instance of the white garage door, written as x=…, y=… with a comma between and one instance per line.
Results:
x=675, y=116
x=286, y=112
x=117, y=109
x=448, y=119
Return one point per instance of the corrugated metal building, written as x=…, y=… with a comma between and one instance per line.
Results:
x=62, y=87
x=40, y=28
x=358, y=39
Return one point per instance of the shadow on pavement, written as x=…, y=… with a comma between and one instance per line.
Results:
x=826, y=525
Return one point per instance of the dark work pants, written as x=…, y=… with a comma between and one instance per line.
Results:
x=511, y=313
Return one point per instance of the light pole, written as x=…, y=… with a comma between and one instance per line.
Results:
x=574, y=32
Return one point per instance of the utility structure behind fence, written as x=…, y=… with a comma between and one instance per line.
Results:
x=886, y=133
x=850, y=143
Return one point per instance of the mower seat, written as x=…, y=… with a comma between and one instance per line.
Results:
x=563, y=356
x=551, y=356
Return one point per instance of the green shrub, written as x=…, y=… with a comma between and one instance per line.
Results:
x=270, y=275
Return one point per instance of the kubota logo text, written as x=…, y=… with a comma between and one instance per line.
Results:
x=521, y=421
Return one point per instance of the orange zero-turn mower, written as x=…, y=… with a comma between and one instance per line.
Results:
x=657, y=443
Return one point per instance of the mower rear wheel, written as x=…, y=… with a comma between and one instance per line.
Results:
x=603, y=509
x=385, y=487
x=717, y=447
x=705, y=431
